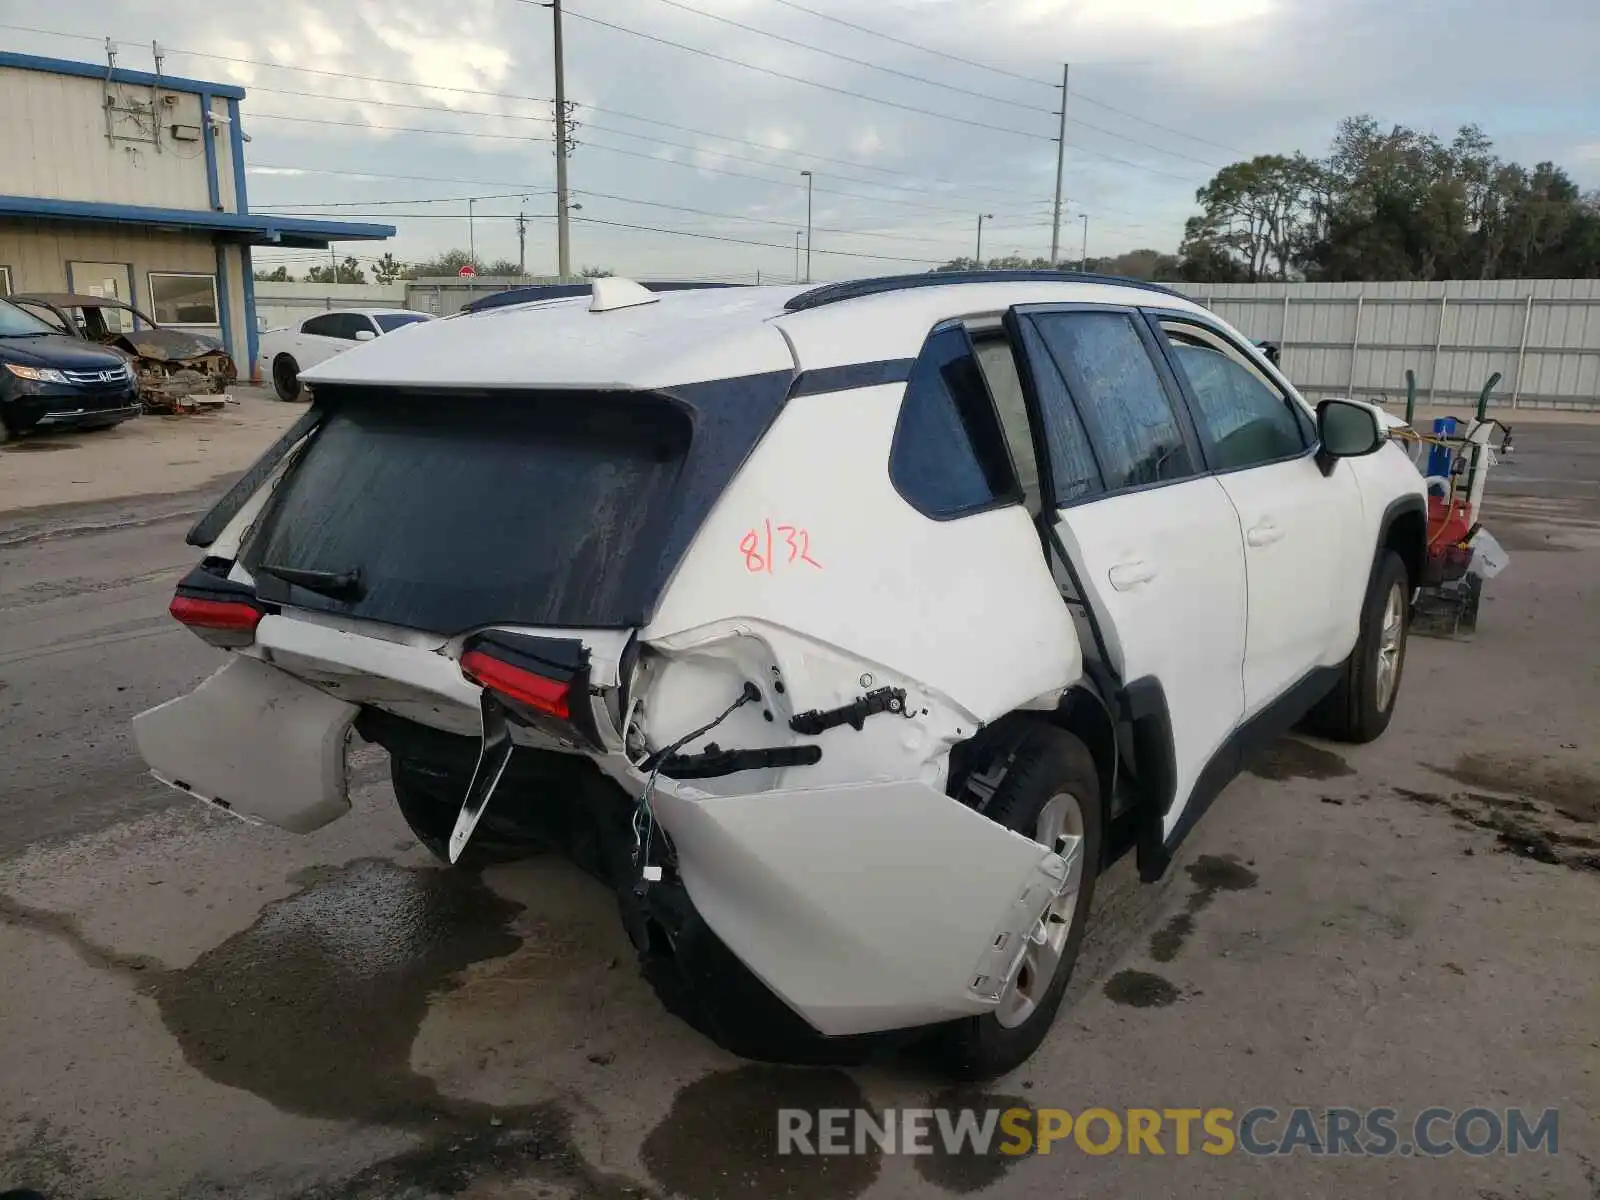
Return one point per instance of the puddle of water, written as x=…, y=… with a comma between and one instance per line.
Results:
x=719, y=1141
x=1210, y=874
x=1290, y=758
x=315, y=1006
x=1141, y=989
x=966, y=1171
x=1571, y=791
x=1520, y=827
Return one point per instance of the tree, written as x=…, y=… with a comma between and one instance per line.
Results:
x=348, y=271
x=1258, y=214
x=279, y=274
x=597, y=273
x=387, y=269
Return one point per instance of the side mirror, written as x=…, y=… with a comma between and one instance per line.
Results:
x=1347, y=430
x=365, y=335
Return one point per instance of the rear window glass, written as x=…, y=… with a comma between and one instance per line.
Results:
x=460, y=511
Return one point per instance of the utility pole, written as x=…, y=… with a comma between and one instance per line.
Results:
x=522, y=243
x=978, y=257
x=563, y=242
x=472, y=234
x=1061, y=157
x=798, y=234
x=807, y=174
x=1084, y=265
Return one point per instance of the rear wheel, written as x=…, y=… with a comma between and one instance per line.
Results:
x=1362, y=702
x=1051, y=793
x=430, y=800
x=286, y=377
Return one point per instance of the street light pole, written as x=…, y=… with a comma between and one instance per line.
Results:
x=472, y=234
x=798, y=234
x=563, y=237
x=1084, y=265
x=807, y=174
x=978, y=257
x=1061, y=158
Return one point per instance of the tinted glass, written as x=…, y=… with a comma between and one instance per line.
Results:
x=949, y=454
x=548, y=508
x=391, y=321
x=1245, y=421
x=1072, y=465
x=1129, y=416
x=326, y=325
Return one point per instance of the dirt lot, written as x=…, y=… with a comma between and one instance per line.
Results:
x=197, y=1008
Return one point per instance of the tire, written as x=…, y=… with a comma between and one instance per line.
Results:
x=1046, y=765
x=1359, y=707
x=430, y=800
x=286, y=378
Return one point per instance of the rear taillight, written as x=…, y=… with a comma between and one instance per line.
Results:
x=549, y=696
x=222, y=611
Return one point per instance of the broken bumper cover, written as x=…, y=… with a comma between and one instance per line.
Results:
x=864, y=907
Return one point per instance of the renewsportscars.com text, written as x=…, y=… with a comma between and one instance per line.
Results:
x=1261, y=1131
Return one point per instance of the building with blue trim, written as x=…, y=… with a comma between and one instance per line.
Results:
x=132, y=184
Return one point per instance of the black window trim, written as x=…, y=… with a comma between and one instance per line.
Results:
x=1169, y=384
x=1013, y=494
x=1153, y=318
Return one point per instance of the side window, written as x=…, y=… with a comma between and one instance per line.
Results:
x=44, y=314
x=1245, y=419
x=949, y=455
x=1005, y=386
x=1130, y=418
x=326, y=325
x=1072, y=466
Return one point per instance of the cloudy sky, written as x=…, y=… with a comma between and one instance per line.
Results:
x=695, y=118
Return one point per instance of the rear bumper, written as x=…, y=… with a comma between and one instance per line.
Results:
x=863, y=907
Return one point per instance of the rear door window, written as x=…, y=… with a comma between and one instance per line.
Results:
x=1128, y=414
x=327, y=325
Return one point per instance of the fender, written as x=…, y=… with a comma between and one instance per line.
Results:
x=1144, y=706
x=1416, y=559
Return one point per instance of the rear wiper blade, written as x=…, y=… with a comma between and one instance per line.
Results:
x=337, y=585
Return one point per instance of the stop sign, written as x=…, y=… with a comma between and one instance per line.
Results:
x=467, y=271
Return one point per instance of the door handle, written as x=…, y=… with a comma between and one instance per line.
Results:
x=1126, y=576
x=1264, y=534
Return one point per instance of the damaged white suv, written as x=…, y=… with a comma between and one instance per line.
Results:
x=848, y=633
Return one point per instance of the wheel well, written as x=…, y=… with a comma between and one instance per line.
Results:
x=1081, y=713
x=1407, y=536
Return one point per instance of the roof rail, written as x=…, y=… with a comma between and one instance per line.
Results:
x=529, y=293
x=852, y=289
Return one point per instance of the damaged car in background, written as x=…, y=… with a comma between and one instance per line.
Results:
x=847, y=634
x=176, y=368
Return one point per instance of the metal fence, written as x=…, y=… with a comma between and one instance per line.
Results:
x=1542, y=335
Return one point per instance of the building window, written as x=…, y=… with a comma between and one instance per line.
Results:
x=5, y=281
x=183, y=299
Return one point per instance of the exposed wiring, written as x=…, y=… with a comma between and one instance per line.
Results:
x=644, y=821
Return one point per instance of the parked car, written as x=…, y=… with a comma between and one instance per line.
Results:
x=175, y=367
x=848, y=633
x=49, y=380
x=284, y=353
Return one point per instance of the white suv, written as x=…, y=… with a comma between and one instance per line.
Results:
x=848, y=633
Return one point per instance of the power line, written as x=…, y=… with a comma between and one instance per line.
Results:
x=507, y=137
x=914, y=46
x=787, y=247
x=859, y=62
x=812, y=83
x=1122, y=112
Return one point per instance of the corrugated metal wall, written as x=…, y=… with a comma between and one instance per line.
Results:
x=1542, y=335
